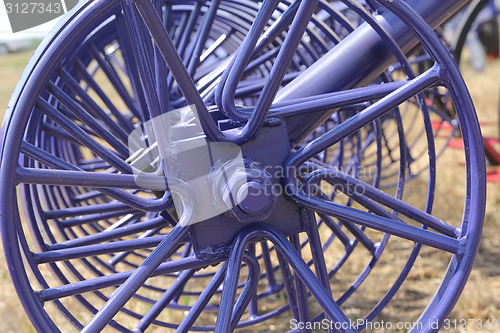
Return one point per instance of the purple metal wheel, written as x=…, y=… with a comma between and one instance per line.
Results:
x=121, y=253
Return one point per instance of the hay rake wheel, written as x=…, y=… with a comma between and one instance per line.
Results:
x=121, y=253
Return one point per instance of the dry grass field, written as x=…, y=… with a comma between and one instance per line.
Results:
x=481, y=298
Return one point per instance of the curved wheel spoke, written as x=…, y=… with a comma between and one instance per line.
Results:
x=175, y=64
x=81, y=178
x=86, y=214
x=301, y=269
x=71, y=173
x=137, y=279
x=94, y=110
x=384, y=224
x=164, y=300
x=334, y=100
x=114, y=78
x=91, y=218
x=84, y=138
x=203, y=300
x=58, y=252
x=119, y=278
x=94, y=85
x=371, y=113
x=111, y=234
x=357, y=188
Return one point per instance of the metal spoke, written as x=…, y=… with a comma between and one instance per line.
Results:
x=302, y=271
x=114, y=79
x=119, y=278
x=121, y=256
x=126, y=124
x=334, y=100
x=59, y=252
x=371, y=113
x=203, y=300
x=109, y=235
x=81, y=220
x=92, y=106
x=202, y=36
x=94, y=210
x=121, y=195
x=383, y=224
x=141, y=274
x=83, y=137
x=353, y=186
x=80, y=178
x=164, y=300
x=300, y=290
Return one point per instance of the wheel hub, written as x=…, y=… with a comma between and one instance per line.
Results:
x=252, y=196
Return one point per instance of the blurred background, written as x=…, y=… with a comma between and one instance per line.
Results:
x=480, y=66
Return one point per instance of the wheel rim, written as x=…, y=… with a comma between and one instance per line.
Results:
x=51, y=139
